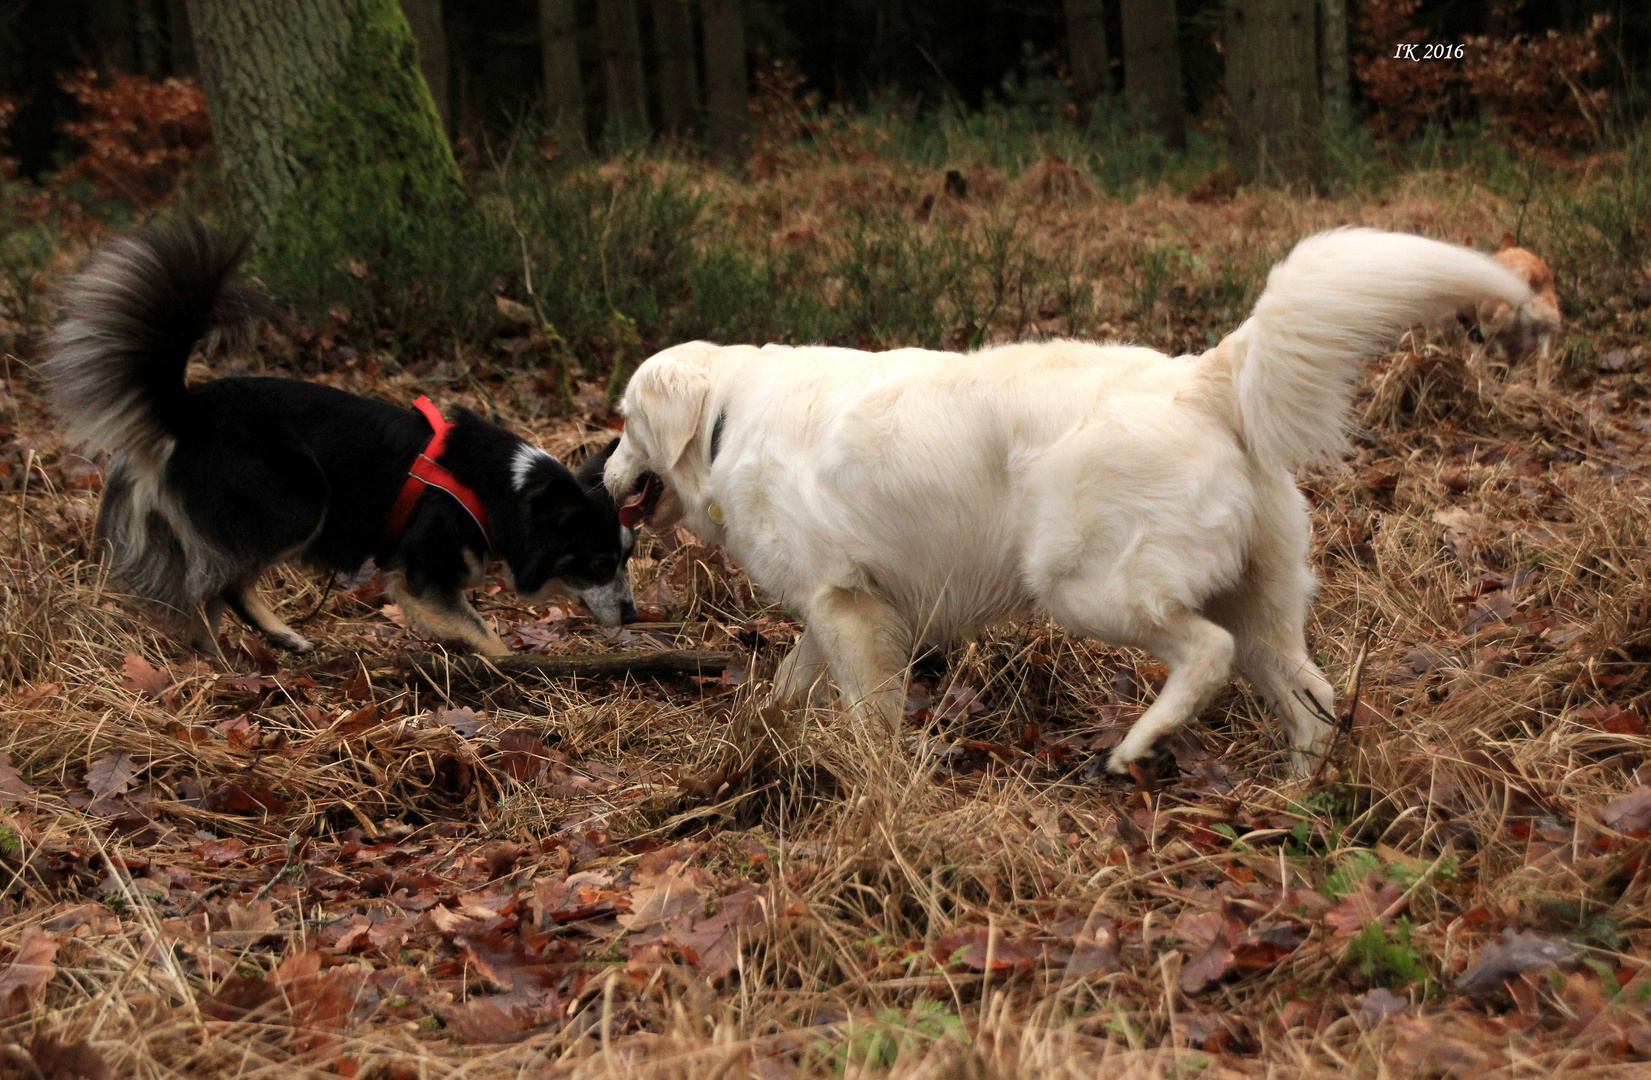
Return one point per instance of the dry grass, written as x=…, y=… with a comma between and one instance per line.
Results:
x=333, y=869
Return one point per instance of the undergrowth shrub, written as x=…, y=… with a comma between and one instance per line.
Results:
x=1031, y=119
x=26, y=249
x=26, y=246
x=142, y=139
x=595, y=245
x=140, y=145
x=1605, y=225
x=617, y=262
x=429, y=279
x=1535, y=89
x=1592, y=223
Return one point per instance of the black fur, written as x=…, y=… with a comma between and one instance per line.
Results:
x=211, y=484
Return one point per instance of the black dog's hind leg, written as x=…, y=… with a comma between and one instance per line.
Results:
x=201, y=627
x=255, y=506
x=244, y=601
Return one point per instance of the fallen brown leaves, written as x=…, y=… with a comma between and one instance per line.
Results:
x=328, y=865
x=29, y=972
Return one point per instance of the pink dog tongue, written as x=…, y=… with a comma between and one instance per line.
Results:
x=631, y=514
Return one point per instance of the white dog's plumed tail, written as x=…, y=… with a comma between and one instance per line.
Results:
x=1339, y=299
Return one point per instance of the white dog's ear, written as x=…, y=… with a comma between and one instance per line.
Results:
x=668, y=396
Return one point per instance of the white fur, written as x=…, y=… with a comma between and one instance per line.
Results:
x=1338, y=299
x=521, y=466
x=912, y=496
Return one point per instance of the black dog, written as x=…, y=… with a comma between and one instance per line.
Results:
x=210, y=485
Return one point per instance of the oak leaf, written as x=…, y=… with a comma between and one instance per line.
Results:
x=1513, y=955
x=30, y=970
x=110, y=775
x=144, y=677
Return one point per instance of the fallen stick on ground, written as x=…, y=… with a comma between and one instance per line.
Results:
x=589, y=666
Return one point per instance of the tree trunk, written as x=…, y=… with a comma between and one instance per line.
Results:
x=678, y=74
x=622, y=67
x=331, y=147
x=725, y=74
x=1086, y=57
x=113, y=35
x=179, y=41
x=1338, y=83
x=1273, y=89
x=564, y=87
x=1152, y=66
x=424, y=19
x=149, y=37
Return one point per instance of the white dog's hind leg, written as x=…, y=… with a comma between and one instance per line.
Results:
x=1272, y=655
x=866, y=646
x=1199, y=655
x=1267, y=615
x=803, y=678
x=1297, y=691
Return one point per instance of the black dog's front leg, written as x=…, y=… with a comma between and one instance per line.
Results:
x=431, y=571
x=445, y=614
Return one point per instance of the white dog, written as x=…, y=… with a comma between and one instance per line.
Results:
x=912, y=496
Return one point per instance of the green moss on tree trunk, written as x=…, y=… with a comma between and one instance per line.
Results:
x=333, y=150
x=377, y=184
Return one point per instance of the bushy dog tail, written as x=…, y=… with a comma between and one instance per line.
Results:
x=130, y=319
x=1340, y=298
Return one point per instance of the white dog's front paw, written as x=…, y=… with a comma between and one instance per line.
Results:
x=1118, y=764
x=1304, y=763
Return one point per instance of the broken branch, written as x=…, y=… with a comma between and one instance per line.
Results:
x=671, y=662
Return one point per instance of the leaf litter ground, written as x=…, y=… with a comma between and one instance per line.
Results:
x=326, y=865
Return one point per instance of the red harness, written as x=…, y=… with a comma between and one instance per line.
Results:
x=426, y=473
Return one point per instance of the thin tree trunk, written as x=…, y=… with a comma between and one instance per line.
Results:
x=678, y=73
x=1338, y=83
x=564, y=87
x=149, y=37
x=627, y=95
x=424, y=19
x=179, y=42
x=1086, y=57
x=113, y=35
x=1152, y=66
x=726, y=78
x=330, y=144
x=1273, y=89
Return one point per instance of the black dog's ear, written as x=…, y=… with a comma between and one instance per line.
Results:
x=553, y=493
x=590, y=471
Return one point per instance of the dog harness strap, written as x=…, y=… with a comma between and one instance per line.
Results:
x=426, y=473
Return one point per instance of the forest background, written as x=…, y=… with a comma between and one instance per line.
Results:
x=373, y=862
